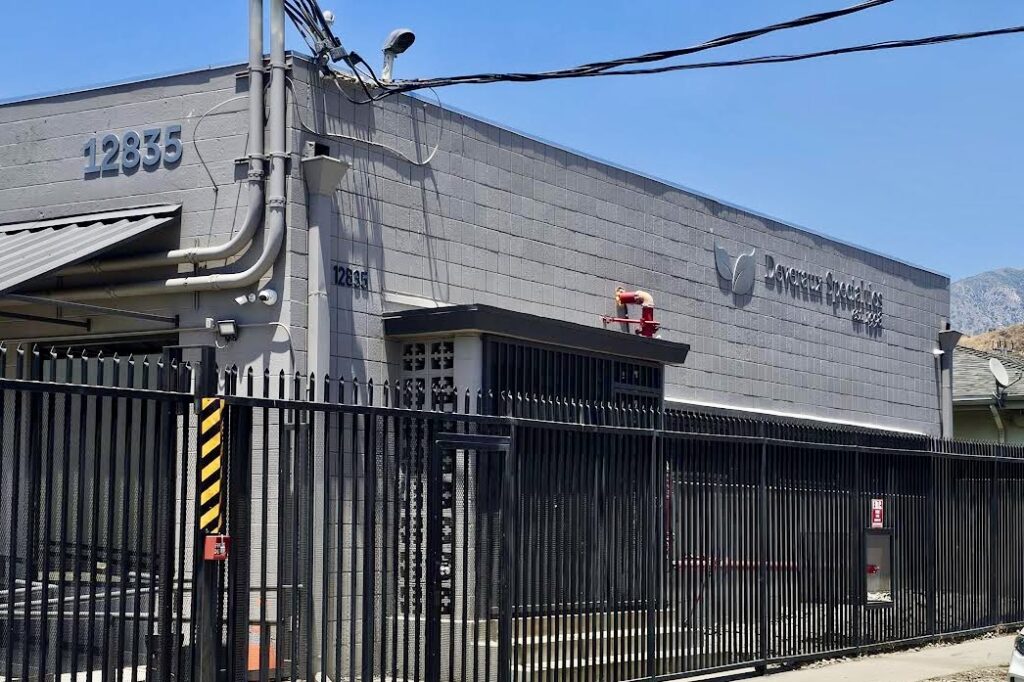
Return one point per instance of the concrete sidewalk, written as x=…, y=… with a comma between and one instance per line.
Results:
x=910, y=666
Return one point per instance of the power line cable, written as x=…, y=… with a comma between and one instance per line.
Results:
x=387, y=90
x=594, y=68
x=853, y=49
x=410, y=86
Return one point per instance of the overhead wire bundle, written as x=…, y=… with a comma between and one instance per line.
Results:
x=852, y=49
x=312, y=25
x=311, y=15
x=316, y=30
x=596, y=68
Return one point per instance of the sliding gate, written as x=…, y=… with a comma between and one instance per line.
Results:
x=95, y=535
x=375, y=547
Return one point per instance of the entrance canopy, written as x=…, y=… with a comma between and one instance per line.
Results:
x=489, y=320
x=38, y=248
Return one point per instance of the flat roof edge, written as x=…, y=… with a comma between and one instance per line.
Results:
x=135, y=80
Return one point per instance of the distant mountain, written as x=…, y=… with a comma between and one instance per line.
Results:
x=987, y=301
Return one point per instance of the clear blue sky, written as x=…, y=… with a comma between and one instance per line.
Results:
x=915, y=153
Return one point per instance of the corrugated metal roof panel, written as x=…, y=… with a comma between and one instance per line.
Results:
x=38, y=248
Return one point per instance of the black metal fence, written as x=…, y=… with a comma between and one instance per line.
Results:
x=94, y=470
x=501, y=538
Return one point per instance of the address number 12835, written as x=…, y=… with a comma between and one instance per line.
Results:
x=131, y=150
x=351, y=277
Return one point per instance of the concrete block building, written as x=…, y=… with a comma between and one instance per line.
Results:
x=410, y=243
x=425, y=245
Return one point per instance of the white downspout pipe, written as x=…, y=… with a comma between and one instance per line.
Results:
x=322, y=175
x=273, y=235
x=254, y=215
x=948, y=339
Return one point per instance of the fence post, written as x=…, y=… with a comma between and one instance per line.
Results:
x=33, y=495
x=167, y=439
x=657, y=550
x=932, y=606
x=239, y=527
x=508, y=587
x=369, y=615
x=995, y=563
x=856, y=523
x=206, y=573
x=762, y=551
x=432, y=594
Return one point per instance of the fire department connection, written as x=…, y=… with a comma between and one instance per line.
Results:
x=646, y=324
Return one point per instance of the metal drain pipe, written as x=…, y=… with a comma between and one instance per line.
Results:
x=275, y=219
x=254, y=214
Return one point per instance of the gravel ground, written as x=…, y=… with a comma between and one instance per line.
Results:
x=997, y=674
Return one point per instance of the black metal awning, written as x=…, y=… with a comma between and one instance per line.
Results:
x=485, y=319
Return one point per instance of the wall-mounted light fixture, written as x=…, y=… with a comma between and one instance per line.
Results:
x=227, y=329
x=399, y=40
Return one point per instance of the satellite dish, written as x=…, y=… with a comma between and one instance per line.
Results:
x=999, y=372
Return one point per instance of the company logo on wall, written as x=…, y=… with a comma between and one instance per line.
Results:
x=856, y=297
x=739, y=273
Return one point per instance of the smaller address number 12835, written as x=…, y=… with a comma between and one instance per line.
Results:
x=350, y=277
x=131, y=149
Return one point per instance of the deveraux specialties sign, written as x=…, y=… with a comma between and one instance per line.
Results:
x=852, y=295
x=856, y=297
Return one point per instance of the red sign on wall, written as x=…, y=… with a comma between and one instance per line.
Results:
x=877, y=513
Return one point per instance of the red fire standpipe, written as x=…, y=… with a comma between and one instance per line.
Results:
x=646, y=325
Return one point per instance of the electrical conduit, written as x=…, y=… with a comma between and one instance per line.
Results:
x=275, y=219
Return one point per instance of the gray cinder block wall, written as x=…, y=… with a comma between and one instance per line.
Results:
x=496, y=218
x=503, y=219
x=41, y=176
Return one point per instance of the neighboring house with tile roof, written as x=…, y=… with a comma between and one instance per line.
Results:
x=977, y=415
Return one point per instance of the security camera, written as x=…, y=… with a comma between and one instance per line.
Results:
x=268, y=297
x=329, y=17
x=245, y=299
x=399, y=40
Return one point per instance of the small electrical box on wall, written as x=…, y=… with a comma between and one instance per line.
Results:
x=216, y=547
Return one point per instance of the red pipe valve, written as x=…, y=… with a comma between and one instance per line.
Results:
x=646, y=325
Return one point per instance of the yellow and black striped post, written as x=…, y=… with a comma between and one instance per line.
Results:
x=211, y=465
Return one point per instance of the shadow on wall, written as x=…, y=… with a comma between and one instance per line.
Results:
x=438, y=274
x=382, y=191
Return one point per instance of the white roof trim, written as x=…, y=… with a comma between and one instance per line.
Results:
x=794, y=415
x=395, y=301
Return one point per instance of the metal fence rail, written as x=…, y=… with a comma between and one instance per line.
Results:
x=608, y=541
x=495, y=538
